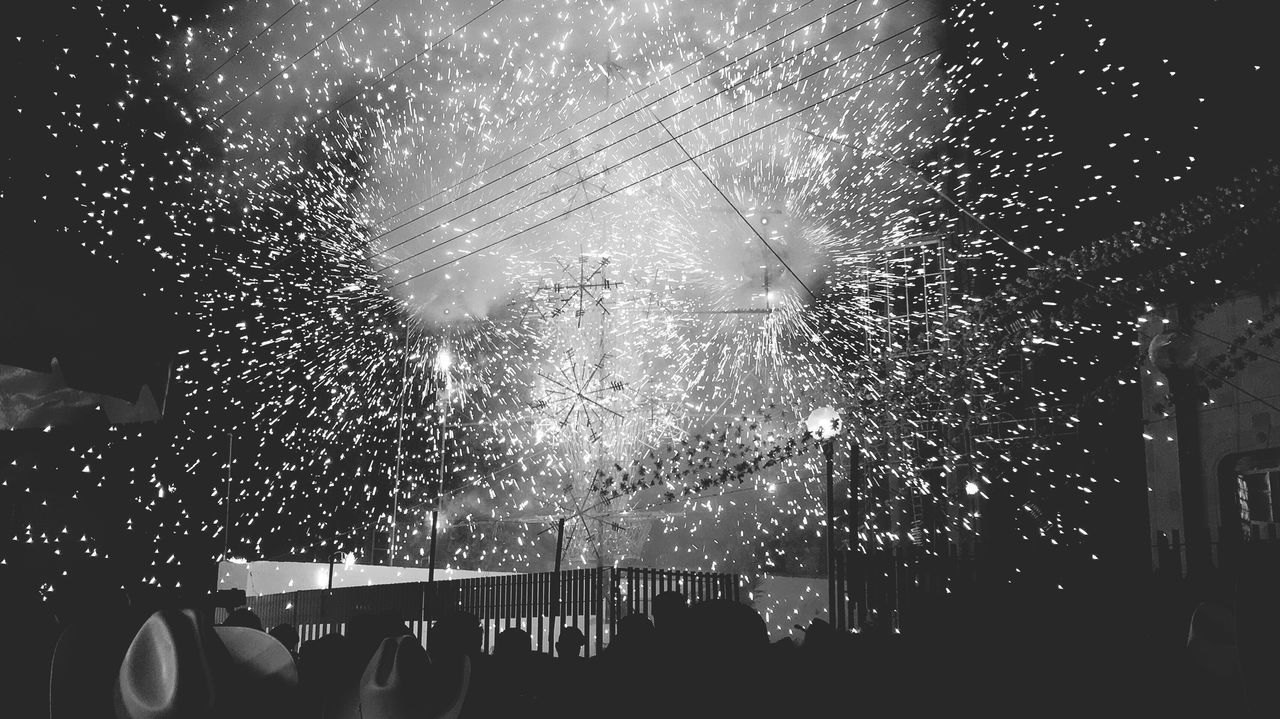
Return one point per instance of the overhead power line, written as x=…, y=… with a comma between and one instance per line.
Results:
x=652, y=175
x=245, y=46
x=385, y=76
x=621, y=100
x=750, y=225
x=648, y=149
x=633, y=113
x=271, y=80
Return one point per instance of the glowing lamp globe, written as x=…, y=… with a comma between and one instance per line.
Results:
x=1172, y=351
x=823, y=423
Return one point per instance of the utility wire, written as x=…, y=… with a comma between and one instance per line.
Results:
x=645, y=151
x=597, y=113
x=636, y=133
x=751, y=225
x=650, y=176
x=300, y=58
x=1225, y=342
x=245, y=46
x=383, y=78
x=1238, y=388
x=558, y=133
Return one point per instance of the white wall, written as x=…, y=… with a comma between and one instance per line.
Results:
x=258, y=578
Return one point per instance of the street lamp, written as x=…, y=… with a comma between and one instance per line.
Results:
x=348, y=561
x=824, y=424
x=444, y=361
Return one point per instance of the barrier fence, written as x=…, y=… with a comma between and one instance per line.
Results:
x=591, y=600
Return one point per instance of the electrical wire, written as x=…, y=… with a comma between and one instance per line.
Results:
x=650, y=149
x=597, y=113
x=271, y=80
x=650, y=176
x=603, y=148
x=245, y=46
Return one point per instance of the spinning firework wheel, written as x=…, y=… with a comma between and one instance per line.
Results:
x=582, y=395
x=609, y=537
x=584, y=287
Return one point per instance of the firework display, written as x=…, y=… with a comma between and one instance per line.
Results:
x=523, y=260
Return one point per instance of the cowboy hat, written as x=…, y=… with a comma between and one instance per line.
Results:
x=86, y=660
x=400, y=683
x=179, y=666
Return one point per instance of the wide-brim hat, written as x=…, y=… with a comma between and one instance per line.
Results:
x=84, y=668
x=400, y=682
x=179, y=666
x=263, y=675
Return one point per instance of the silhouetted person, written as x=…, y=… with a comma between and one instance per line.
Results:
x=570, y=643
x=670, y=609
x=1258, y=622
x=327, y=689
x=512, y=642
x=725, y=638
x=455, y=635
x=514, y=672
x=634, y=640
x=27, y=646
x=632, y=654
x=367, y=630
x=243, y=617
x=286, y=635
x=1215, y=678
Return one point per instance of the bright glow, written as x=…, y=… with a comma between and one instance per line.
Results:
x=971, y=488
x=823, y=422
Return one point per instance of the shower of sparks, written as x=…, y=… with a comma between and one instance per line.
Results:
x=780, y=193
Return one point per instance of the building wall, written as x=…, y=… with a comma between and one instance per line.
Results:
x=259, y=578
x=1230, y=422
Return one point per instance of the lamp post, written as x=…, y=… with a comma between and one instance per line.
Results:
x=824, y=424
x=395, y=492
x=1174, y=353
x=443, y=361
x=348, y=561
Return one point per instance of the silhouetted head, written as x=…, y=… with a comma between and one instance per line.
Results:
x=512, y=642
x=727, y=629
x=570, y=642
x=635, y=626
x=367, y=630
x=455, y=634
x=320, y=660
x=669, y=610
x=243, y=617
x=286, y=635
x=635, y=635
x=819, y=636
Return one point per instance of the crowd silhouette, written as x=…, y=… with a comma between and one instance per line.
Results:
x=96, y=654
